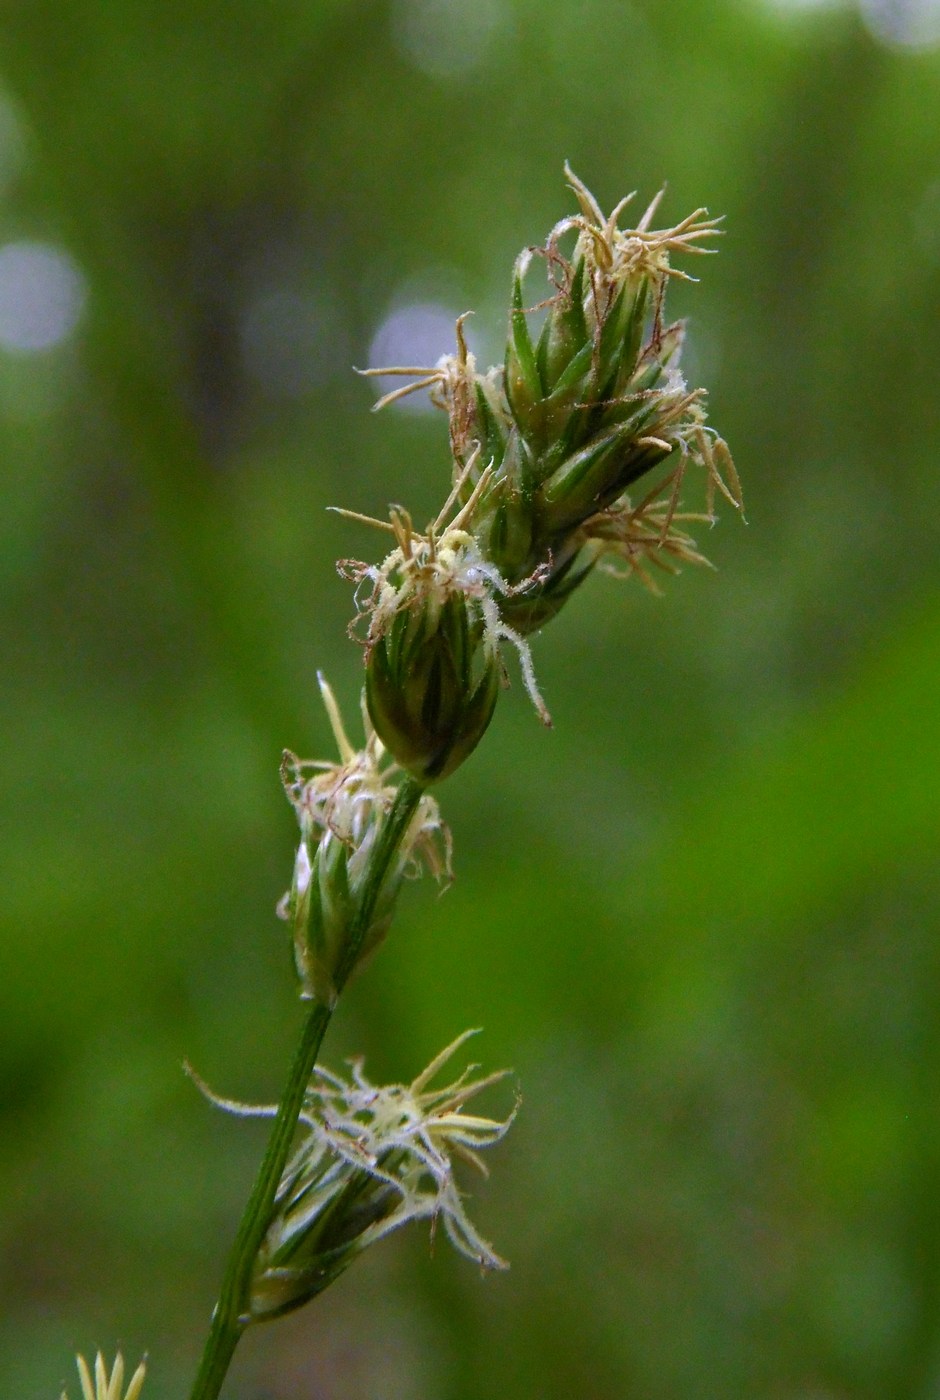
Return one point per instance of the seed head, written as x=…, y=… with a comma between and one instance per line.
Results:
x=552, y=458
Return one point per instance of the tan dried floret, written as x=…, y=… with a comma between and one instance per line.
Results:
x=98, y=1385
x=451, y=384
x=613, y=255
x=424, y=570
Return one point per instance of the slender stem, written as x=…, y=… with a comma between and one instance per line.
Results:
x=229, y=1318
x=228, y=1321
x=390, y=838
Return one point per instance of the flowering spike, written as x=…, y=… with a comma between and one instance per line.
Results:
x=547, y=454
x=340, y=809
x=369, y=1160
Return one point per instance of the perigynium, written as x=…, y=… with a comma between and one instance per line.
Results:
x=572, y=456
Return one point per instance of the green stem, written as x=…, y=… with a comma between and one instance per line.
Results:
x=229, y=1317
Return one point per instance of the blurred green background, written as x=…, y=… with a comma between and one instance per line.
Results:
x=699, y=917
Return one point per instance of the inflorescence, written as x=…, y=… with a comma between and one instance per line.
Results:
x=548, y=451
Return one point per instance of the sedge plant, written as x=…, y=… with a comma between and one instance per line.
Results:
x=573, y=455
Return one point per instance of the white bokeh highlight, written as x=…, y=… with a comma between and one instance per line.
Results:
x=42, y=297
x=446, y=38
x=417, y=333
x=903, y=24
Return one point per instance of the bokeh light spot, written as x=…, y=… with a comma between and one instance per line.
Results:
x=418, y=334
x=42, y=296
x=445, y=38
x=903, y=24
